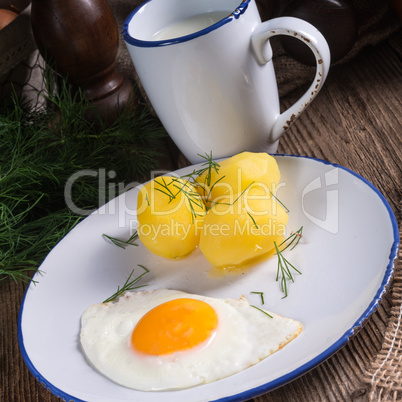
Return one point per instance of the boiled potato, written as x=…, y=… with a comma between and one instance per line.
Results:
x=169, y=213
x=238, y=173
x=237, y=230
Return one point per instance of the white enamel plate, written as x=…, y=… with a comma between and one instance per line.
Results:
x=346, y=258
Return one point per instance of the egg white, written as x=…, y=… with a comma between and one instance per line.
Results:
x=244, y=336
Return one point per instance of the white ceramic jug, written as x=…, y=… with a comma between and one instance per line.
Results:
x=206, y=67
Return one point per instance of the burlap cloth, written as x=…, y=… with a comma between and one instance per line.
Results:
x=385, y=372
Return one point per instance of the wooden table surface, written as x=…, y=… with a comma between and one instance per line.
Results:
x=356, y=121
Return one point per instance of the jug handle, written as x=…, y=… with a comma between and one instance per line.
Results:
x=313, y=38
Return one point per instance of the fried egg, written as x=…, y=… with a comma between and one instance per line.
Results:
x=166, y=339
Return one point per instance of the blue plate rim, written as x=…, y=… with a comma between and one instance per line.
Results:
x=285, y=379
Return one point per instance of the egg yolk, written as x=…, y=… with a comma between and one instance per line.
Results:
x=174, y=326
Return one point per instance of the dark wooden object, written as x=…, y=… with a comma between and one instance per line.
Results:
x=80, y=39
x=335, y=19
x=267, y=9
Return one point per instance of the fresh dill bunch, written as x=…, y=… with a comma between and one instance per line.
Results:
x=40, y=148
x=23, y=247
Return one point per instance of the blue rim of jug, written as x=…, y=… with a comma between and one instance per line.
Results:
x=156, y=43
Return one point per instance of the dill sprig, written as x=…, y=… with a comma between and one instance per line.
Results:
x=284, y=266
x=123, y=243
x=210, y=165
x=178, y=186
x=280, y=202
x=19, y=274
x=262, y=311
x=207, y=167
x=165, y=189
x=192, y=196
x=128, y=285
x=237, y=198
x=293, y=238
x=206, y=197
x=252, y=218
x=261, y=295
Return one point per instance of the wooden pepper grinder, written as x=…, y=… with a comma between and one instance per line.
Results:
x=80, y=38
